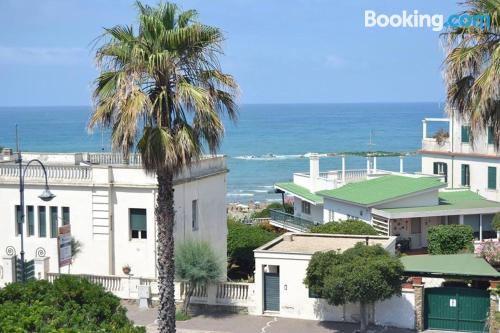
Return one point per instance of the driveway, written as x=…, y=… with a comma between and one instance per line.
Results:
x=236, y=323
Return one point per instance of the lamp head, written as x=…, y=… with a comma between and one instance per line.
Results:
x=47, y=195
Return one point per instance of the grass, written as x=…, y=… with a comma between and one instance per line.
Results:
x=182, y=316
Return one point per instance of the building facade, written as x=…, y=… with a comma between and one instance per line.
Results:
x=110, y=208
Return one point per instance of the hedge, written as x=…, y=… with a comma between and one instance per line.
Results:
x=450, y=239
x=349, y=227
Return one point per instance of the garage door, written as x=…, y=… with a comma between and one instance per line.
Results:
x=271, y=292
x=457, y=309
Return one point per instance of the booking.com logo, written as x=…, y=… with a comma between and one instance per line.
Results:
x=417, y=20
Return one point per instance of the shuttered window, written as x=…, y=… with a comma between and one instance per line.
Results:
x=31, y=220
x=465, y=134
x=19, y=217
x=441, y=168
x=42, y=222
x=490, y=135
x=65, y=215
x=138, y=225
x=53, y=222
x=465, y=175
x=492, y=178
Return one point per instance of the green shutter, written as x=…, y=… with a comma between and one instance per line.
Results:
x=465, y=134
x=465, y=175
x=65, y=213
x=19, y=224
x=138, y=219
x=490, y=135
x=492, y=178
x=436, y=170
x=53, y=222
x=31, y=220
x=42, y=222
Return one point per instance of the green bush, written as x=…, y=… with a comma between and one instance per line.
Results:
x=349, y=227
x=242, y=239
x=70, y=304
x=266, y=212
x=495, y=224
x=450, y=239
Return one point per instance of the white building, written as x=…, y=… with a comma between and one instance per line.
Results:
x=458, y=185
x=280, y=269
x=110, y=207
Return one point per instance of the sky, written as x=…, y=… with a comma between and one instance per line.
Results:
x=280, y=51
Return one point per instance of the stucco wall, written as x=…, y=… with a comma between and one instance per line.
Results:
x=316, y=211
x=342, y=210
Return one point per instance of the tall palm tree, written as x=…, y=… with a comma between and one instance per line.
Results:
x=472, y=70
x=161, y=86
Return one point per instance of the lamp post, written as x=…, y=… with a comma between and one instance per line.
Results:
x=45, y=196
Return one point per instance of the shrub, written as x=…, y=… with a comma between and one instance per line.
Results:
x=450, y=239
x=362, y=274
x=242, y=239
x=70, y=304
x=196, y=263
x=490, y=251
x=266, y=212
x=495, y=224
x=350, y=227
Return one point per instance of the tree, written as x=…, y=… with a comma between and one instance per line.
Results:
x=450, y=239
x=242, y=239
x=472, y=69
x=70, y=304
x=364, y=274
x=349, y=227
x=197, y=264
x=161, y=86
x=266, y=212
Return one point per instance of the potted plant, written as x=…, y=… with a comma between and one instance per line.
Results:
x=441, y=136
x=126, y=269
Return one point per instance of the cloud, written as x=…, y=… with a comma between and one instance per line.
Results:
x=335, y=62
x=43, y=56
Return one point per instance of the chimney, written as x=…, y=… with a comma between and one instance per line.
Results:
x=314, y=170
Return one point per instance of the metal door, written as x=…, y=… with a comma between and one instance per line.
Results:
x=271, y=292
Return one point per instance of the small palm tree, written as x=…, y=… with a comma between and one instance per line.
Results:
x=472, y=69
x=161, y=86
x=197, y=264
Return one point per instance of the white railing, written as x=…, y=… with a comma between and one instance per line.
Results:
x=109, y=283
x=113, y=158
x=232, y=291
x=354, y=175
x=431, y=144
x=59, y=172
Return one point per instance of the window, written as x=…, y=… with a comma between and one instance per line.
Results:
x=312, y=294
x=490, y=135
x=65, y=215
x=31, y=220
x=53, y=222
x=19, y=220
x=42, y=222
x=441, y=168
x=138, y=225
x=465, y=134
x=194, y=214
x=415, y=226
x=465, y=175
x=306, y=208
x=492, y=178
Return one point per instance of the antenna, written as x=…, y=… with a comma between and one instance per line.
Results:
x=102, y=139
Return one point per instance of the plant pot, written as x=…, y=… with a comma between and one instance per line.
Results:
x=126, y=270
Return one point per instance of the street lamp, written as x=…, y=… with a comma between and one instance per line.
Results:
x=45, y=196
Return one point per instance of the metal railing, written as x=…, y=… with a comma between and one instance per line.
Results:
x=289, y=221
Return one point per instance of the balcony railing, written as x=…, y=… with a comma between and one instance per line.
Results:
x=54, y=172
x=290, y=222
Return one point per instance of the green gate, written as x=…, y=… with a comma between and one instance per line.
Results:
x=29, y=270
x=271, y=292
x=457, y=309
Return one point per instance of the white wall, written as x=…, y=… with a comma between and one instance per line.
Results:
x=316, y=211
x=89, y=214
x=295, y=301
x=341, y=211
x=430, y=198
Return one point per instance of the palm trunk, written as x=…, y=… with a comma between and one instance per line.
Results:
x=363, y=315
x=164, y=214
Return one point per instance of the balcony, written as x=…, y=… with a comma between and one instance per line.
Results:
x=431, y=144
x=288, y=221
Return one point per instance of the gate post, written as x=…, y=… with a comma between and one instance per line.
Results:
x=9, y=269
x=418, y=286
x=41, y=267
x=493, y=306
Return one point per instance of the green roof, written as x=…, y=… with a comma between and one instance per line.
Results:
x=299, y=191
x=370, y=192
x=451, y=201
x=450, y=265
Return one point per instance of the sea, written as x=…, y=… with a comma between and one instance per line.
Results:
x=267, y=144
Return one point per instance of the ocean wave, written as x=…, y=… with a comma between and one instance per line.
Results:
x=270, y=157
x=242, y=194
x=259, y=191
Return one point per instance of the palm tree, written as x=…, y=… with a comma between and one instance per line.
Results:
x=472, y=70
x=161, y=87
